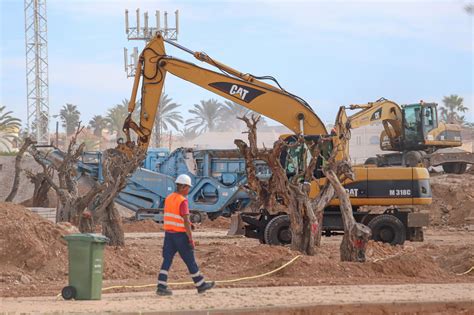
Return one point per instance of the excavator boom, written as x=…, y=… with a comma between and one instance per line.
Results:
x=374, y=112
x=244, y=89
x=384, y=111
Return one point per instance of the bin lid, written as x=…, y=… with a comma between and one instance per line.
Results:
x=87, y=237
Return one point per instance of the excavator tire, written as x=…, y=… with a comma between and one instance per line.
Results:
x=387, y=228
x=449, y=167
x=371, y=161
x=454, y=167
x=462, y=168
x=277, y=231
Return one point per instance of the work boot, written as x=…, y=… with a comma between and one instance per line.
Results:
x=205, y=286
x=163, y=291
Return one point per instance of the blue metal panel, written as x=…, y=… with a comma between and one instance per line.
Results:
x=154, y=158
x=217, y=177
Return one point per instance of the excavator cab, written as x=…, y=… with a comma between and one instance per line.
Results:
x=418, y=120
x=412, y=125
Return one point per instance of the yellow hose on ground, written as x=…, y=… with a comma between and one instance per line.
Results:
x=465, y=272
x=218, y=281
x=410, y=249
x=234, y=280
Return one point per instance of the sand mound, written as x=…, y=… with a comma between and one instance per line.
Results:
x=33, y=247
x=28, y=241
x=454, y=259
x=453, y=199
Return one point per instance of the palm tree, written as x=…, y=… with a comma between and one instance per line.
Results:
x=229, y=113
x=9, y=127
x=116, y=117
x=453, y=106
x=166, y=117
x=98, y=123
x=206, y=116
x=70, y=117
x=469, y=8
x=188, y=134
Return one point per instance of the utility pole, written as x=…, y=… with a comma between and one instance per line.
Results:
x=37, y=88
x=143, y=31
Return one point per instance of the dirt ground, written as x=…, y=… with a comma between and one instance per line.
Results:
x=33, y=263
x=353, y=299
x=453, y=200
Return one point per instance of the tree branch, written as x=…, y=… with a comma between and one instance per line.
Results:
x=16, y=180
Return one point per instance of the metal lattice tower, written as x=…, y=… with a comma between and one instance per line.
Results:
x=36, y=45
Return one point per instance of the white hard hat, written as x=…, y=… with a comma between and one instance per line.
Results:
x=183, y=179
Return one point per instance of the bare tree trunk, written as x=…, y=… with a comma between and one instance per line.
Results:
x=16, y=180
x=356, y=235
x=115, y=170
x=280, y=194
x=86, y=222
x=112, y=226
x=304, y=223
x=65, y=210
x=319, y=203
x=40, y=194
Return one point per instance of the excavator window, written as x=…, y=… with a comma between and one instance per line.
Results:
x=412, y=122
x=429, y=119
x=412, y=117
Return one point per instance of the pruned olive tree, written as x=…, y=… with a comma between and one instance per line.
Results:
x=71, y=204
x=291, y=194
x=116, y=166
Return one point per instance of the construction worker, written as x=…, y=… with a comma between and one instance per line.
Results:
x=179, y=238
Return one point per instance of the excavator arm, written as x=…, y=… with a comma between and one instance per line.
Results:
x=244, y=89
x=384, y=111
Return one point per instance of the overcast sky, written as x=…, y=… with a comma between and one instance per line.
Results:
x=330, y=53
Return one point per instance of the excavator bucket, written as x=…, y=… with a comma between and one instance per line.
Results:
x=236, y=225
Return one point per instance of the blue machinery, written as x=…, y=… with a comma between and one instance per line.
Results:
x=217, y=177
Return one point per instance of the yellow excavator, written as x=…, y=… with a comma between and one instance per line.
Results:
x=414, y=132
x=392, y=188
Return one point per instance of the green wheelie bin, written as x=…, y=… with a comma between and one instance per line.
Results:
x=86, y=261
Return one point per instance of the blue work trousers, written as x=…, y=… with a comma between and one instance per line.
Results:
x=178, y=242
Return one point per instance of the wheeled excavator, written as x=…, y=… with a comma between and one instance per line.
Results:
x=397, y=188
x=415, y=134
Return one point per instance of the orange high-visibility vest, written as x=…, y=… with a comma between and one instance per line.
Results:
x=173, y=221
